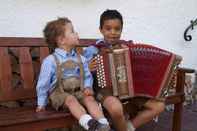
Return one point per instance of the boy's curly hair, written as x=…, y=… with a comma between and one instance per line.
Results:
x=108, y=15
x=54, y=29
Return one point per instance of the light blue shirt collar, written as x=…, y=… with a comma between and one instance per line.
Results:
x=99, y=41
x=64, y=53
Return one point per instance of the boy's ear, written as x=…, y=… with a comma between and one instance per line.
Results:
x=100, y=28
x=59, y=39
x=101, y=31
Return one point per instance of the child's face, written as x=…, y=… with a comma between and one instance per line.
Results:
x=70, y=38
x=111, y=30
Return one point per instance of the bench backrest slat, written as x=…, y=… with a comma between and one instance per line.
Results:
x=19, y=66
x=16, y=74
x=26, y=67
x=5, y=70
x=44, y=51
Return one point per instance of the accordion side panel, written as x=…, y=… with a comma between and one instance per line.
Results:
x=129, y=73
x=113, y=74
x=123, y=73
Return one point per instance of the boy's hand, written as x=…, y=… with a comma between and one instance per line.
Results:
x=40, y=109
x=79, y=50
x=106, y=50
x=88, y=92
x=93, y=64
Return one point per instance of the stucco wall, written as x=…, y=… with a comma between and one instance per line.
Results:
x=158, y=22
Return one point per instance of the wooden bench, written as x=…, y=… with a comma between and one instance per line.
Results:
x=20, y=60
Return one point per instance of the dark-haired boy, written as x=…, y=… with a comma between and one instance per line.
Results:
x=111, y=25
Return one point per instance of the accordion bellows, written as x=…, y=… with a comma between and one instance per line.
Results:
x=152, y=69
x=137, y=70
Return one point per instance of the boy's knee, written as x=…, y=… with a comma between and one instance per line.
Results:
x=89, y=98
x=113, y=106
x=70, y=99
x=158, y=107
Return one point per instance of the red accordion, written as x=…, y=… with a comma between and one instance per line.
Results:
x=138, y=70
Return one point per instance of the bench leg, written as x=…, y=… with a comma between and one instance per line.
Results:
x=178, y=108
x=177, y=117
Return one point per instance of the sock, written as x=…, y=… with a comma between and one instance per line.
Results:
x=156, y=118
x=130, y=126
x=83, y=121
x=103, y=121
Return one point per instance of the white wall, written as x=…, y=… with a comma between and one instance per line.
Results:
x=158, y=22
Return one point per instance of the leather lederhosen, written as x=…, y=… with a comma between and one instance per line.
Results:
x=68, y=86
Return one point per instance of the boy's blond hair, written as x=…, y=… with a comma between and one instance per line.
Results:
x=54, y=29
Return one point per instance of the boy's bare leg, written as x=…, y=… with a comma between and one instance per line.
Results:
x=97, y=113
x=153, y=108
x=76, y=109
x=93, y=107
x=115, y=109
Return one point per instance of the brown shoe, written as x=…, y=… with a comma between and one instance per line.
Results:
x=96, y=126
x=92, y=125
x=103, y=127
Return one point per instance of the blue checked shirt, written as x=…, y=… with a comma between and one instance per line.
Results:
x=47, y=78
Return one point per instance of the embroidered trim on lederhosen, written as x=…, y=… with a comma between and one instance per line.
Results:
x=69, y=64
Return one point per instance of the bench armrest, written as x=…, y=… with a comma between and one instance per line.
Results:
x=186, y=70
x=179, y=95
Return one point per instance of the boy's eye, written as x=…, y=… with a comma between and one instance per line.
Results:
x=118, y=29
x=108, y=28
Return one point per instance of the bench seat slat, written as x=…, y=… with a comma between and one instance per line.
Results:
x=27, y=115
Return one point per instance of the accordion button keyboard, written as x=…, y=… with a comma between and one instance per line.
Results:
x=100, y=71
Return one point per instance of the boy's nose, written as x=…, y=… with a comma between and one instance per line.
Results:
x=113, y=32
